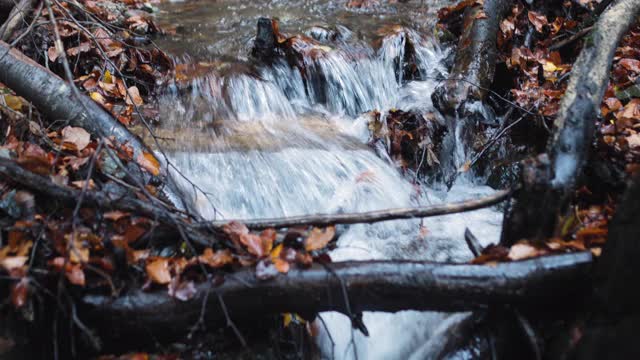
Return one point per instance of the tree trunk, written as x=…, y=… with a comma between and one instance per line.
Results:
x=550, y=179
x=476, y=56
x=370, y=286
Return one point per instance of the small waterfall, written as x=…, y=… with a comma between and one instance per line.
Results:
x=286, y=142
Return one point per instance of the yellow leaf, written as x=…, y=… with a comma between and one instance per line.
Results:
x=287, y=319
x=108, y=78
x=549, y=66
x=97, y=98
x=13, y=102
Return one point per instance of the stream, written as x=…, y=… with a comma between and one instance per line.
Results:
x=261, y=142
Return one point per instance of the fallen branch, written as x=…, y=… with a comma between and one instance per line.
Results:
x=55, y=98
x=10, y=171
x=475, y=58
x=550, y=179
x=17, y=16
x=371, y=286
x=367, y=217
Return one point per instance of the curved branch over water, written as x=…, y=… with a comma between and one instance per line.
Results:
x=370, y=216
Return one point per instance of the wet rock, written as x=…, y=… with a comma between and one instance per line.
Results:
x=504, y=175
x=265, y=45
x=413, y=139
x=328, y=34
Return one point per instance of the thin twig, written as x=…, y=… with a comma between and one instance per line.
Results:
x=367, y=217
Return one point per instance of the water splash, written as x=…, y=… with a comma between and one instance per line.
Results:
x=284, y=144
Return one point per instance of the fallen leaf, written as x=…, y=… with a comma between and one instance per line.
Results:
x=630, y=64
x=149, y=162
x=115, y=215
x=82, y=48
x=75, y=274
x=75, y=138
x=215, y=259
x=13, y=262
x=253, y=243
x=19, y=292
x=319, y=238
x=538, y=20
x=523, y=251
x=133, y=96
x=13, y=102
x=158, y=271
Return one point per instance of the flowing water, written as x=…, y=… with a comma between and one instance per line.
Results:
x=263, y=142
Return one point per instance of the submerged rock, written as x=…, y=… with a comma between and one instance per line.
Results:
x=328, y=34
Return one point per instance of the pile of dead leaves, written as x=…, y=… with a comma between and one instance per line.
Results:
x=107, y=47
x=270, y=252
x=586, y=228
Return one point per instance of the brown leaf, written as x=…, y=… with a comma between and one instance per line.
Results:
x=319, y=238
x=82, y=48
x=133, y=96
x=253, y=243
x=234, y=229
x=115, y=215
x=53, y=54
x=78, y=248
x=75, y=138
x=19, y=292
x=538, y=20
x=80, y=184
x=215, y=259
x=149, y=162
x=268, y=237
x=630, y=64
x=75, y=274
x=158, y=271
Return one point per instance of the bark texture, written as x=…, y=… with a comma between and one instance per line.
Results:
x=475, y=59
x=550, y=179
x=16, y=17
x=55, y=98
x=370, y=286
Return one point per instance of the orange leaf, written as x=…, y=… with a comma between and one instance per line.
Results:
x=215, y=259
x=319, y=238
x=158, y=271
x=149, y=162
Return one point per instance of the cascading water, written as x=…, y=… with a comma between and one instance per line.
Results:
x=280, y=144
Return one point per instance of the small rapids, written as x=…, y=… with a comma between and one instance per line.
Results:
x=271, y=141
